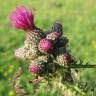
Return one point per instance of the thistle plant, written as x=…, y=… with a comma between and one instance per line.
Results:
x=47, y=55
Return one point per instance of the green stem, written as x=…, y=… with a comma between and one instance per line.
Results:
x=82, y=66
x=76, y=66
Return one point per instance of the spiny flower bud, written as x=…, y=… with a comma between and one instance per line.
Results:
x=68, y=58
x=40, y=65
x=63, y=59
x=33, y=68
x=62, y=42
x=20, y=53
x=32, y=39
x=22, y=18
x=53, y=36
x=57, y=27
x=45, y=45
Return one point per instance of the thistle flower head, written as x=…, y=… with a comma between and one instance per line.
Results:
x=33, y=68
x=19, y=53
x=62, y=42
x=45, y=45
x=63, y=59
x=68, y=58
x=53, y=36
x=57, y=27
x=22, y=18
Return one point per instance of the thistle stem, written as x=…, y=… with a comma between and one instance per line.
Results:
x=82, y=66
x=77, y=66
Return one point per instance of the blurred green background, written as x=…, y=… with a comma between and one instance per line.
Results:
x=78, y=18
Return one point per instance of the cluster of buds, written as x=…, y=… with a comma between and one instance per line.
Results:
x=46, y=53
x=43, y=50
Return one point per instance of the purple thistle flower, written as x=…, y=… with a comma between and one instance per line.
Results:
x=22, y=18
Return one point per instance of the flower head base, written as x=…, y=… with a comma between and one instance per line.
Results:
x=22, y=18
x=33, y=68
x=45, y=45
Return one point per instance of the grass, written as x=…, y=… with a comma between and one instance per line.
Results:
x=78, y=18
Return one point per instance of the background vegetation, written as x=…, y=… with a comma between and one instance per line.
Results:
x=78, y=18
